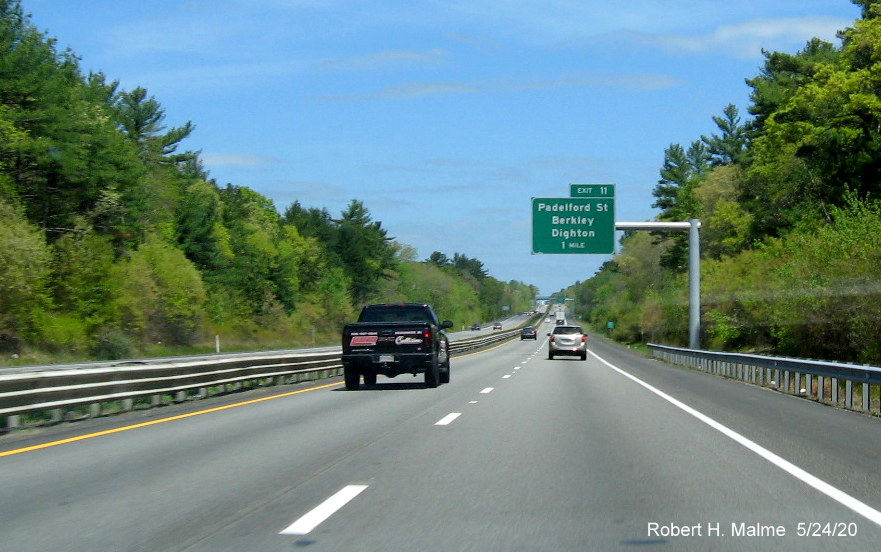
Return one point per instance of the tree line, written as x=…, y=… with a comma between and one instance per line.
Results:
x=790, y=211
x=115, y=241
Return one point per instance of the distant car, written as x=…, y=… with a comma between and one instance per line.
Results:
x=475, y=327
x=568, y=340
x=497, y=326
x=528, y=333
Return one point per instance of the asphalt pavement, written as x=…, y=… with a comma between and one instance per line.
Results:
x=518, y=452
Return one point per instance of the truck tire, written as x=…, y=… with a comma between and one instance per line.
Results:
x=432, y=375
x=353, y=377
x=445, y=373
x=369, y=378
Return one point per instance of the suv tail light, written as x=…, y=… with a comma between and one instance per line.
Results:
x=583, y=338
x=552, y=339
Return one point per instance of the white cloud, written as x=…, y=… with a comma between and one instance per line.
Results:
x=632, y=82
x=196, y=79
x=747, y=39
x=414, y=90
x=419, y=89
x=385, y=59
x=219, y=159
x=407, y=91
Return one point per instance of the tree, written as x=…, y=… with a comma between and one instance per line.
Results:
x=24, y=273
x=160, y=294
x=312, y=222
x=255, y=230
x=200, y=229
x=470, y=266
x=824, y=137
x=439, y=259
x=782, y=74
x=866, y=6
x=680, y=175
x=83, y=261
x=365, y=250
x=731, y=146
x=141, y=119
x=66, y=152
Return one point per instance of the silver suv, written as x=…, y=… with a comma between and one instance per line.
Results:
x=568, y=340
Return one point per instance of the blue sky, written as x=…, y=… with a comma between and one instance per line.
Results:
x=444, y=116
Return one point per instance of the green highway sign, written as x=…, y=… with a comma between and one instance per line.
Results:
x=591, y=190
x=564, y=225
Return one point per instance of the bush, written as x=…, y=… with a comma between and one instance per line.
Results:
x=113, y=344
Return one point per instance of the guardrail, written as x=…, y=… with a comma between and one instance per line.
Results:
x=852, y=386
x=61, y=394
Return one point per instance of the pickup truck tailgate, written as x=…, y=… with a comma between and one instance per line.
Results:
x=376, y=339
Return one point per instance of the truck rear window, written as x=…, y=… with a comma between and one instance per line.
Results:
x=394, y=314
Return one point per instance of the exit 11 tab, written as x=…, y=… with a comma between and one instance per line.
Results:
x=592, y=190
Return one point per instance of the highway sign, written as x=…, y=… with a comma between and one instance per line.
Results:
x=563, y=225
x=592, y=190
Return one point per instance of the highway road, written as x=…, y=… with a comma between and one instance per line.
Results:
x=618, y=452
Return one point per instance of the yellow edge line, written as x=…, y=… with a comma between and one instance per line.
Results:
x=160, y=421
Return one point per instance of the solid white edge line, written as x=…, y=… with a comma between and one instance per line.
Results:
x=834, y=493
x=448, y=419
x=317, y=515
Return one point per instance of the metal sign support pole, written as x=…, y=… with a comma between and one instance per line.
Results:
x=694, y=284
x=694, y=269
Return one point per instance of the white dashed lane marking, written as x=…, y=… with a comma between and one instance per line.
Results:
x=329, y=507
x=448, y=419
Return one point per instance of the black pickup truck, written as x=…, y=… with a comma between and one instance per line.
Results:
x=393, y=339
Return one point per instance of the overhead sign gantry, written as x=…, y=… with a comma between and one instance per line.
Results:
x=585, y=223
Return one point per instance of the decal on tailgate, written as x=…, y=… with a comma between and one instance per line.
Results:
x=363, y=341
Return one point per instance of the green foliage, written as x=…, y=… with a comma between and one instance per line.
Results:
x=790, y=219
x=161, y=295
x=113, y=344
x=25, y=264
x=113, y=242
x=836, y=311
x=364, y=249
x=729, y=147
x=634, y=292
x=725, y=223
x=140, y=118
x=200, y=229
x=82, y=262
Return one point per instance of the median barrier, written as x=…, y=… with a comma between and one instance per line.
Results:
x=60, y=393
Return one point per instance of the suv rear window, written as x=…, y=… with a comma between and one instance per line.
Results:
x=567, y=330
